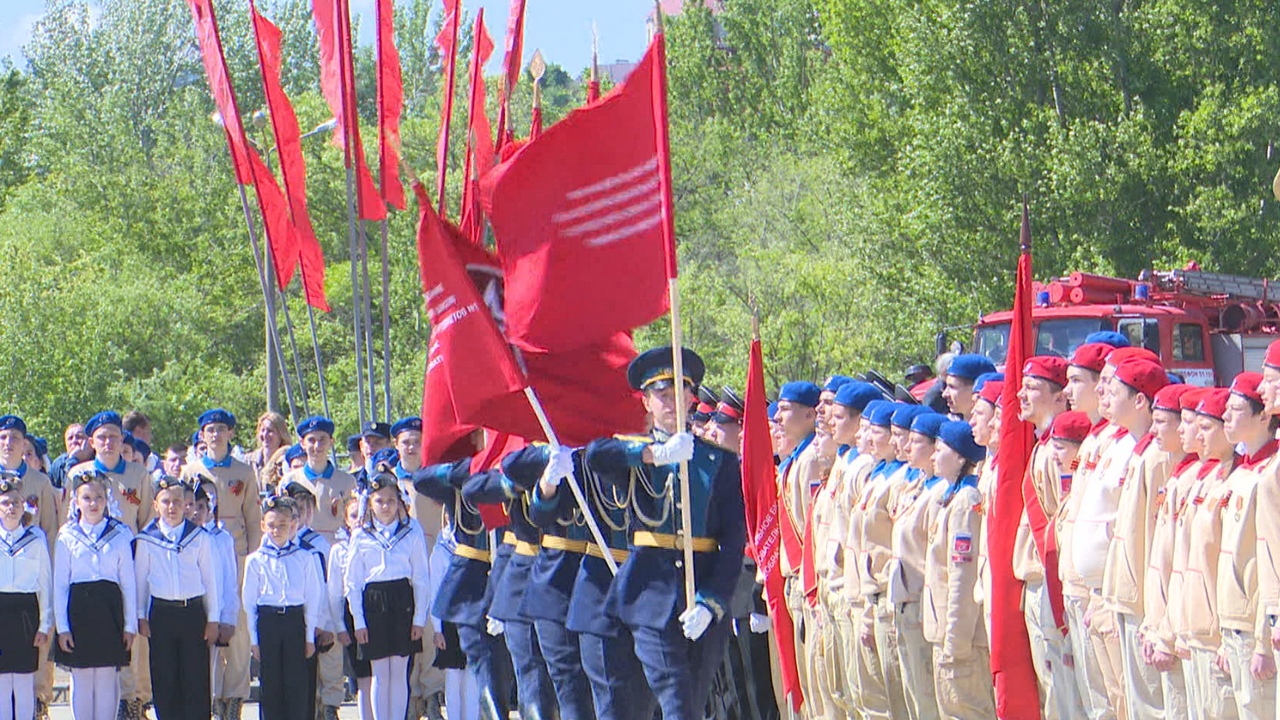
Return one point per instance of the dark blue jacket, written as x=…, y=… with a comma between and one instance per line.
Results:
x=509, y=581
x=649, y=588
x=462, y=596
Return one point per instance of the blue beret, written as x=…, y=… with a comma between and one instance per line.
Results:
x=195, y=438
x=658, y=364
x=106, y=417
x=13, y=422
x=387, y=456
x=984, y=378
x=41, y=445
x=315, y=423
x=217, y=415
x=408, y=424
x=375, y=428
x=1107, y=337
x=353, y=443
x=959, y=437
x=773, y=410
x=879, y=412
x=904, y=413
x=1176, y=379
x=927, y=424
x=970, y=366
x=835, y=382
x=855, y=395
x=800, y=392
x=295, y=452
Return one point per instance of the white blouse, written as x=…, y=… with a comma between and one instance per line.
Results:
x=89, y=553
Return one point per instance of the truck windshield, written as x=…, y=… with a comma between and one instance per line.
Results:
x=1053, y=337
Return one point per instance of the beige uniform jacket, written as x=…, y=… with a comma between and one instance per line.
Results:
x=1095, y=521
x=1237, y=579
x=428, y=512
x=987, y=490
x=877, y=531
x=802, y=477
x=1047, y=482
x=131, y=493
x=913, y=517
x=854, y=557
x=1091, y=450
x=842, y=480
x=1268, y=523
x=823, y=506
x=1124, y=577
x=952, y=621
x=43, y=502
x=239, y=504
x=331, y=494
x=1200, y=627
x=1155, y=625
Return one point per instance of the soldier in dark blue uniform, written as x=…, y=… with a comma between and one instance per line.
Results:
x=680, y=647
x=533, y=683
x=465, y=593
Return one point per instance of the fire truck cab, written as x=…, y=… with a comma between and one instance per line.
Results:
x=1206, y=327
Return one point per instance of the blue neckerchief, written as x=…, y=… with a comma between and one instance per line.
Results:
x=210, y=463
x=109, y=530
x=966, y=481
x=21, y=470
x=933, y=480
x=154, y=535
x=913, y=474
x=843, y=450
x=786, y=464
x=103, y=468
x=401, y=473
x=270, y=550
x=25, y=538
x=312, y=474
x=401, y=530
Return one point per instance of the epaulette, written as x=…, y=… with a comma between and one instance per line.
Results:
x=634, y=438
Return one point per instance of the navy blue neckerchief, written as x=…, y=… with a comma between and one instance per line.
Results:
x=401, y=531
x=27, y=537
x=110, y=530
x=271, y=551
x=154, y=535
x=305, y=541
x=312, y=474
x=786, y=464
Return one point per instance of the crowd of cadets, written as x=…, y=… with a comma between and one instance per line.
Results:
x=1150, y=586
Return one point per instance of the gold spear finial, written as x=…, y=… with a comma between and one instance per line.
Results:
x=537, y=68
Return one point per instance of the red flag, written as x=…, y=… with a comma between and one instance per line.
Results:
x=447, y=42
x=535, y=124
x=511, y=63
x=292, y=166
x=480, y=152
x=390, y=105
x=760, y=497
x=496, y=446
x=337, y=82
x=249, y=167
x=661, y=137
x=1017, y=694
x=580, y=233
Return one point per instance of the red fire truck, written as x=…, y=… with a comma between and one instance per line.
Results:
x=1206, y=327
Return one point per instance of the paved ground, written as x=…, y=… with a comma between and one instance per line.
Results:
x=250, y=712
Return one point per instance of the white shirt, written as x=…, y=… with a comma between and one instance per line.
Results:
x=282, y=577
x=25, y=568
x=224, y=556
x=176, y=564
x=381, y=553
x=89, y=553
x=319, y=547
x=336, y=583
x=1096, y=516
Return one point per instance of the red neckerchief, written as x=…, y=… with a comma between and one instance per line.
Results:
x=1264, y=453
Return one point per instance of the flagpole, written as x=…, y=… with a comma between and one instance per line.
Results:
x=451, y=70
x=297, y=361
x=673, y=291
x=572, y=482
x=386, y=326
x=365, y=301
x=315, y=343
x=342, y=19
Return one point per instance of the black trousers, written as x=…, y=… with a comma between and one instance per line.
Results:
x=179, y=660
x=284, y=670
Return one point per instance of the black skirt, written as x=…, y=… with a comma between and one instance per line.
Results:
x=360, y=667
x=21, y=613
x=388, y=615
x=95, y=611
x=451, y=657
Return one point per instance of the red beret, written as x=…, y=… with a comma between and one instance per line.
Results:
x=991, y=390
x=1047, y=367
x=1072, y=425
x=1273, y=355
x=1091, y=356
x=1119, y=355
x=1143, y=375
x=1214, y=403
x=1170, y=397
x=1246, y=385
x=1191, y=399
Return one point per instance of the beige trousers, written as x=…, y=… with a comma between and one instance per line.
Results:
x=812, y=707
x=1209, y=693
x=1104, y=637
x=887, y=647
x=1089, y=680
x=1173, y=686
x=915, y=661
x=963, y=687
x=863, y=671
x=1254, y=700
x=1142, y=684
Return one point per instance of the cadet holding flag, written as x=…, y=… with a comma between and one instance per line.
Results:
x=647, y=593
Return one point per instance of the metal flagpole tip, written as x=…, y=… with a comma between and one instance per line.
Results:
x=537, y=66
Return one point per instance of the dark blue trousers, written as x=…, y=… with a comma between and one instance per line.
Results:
x=707, y=655
x=669, y=668
x=564, y=664
x=487, y=657
x=533, y=684
x=618, y=687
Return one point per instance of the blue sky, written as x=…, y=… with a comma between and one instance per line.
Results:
x=560, y=28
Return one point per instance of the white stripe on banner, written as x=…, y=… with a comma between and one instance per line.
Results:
x=649, y=186
x=652, y=205
x=625, y=232
x=609, y=183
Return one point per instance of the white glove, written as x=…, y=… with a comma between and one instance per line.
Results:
x=495, y=627
x=559, y=465
x=676, y=450
x=696, y=620
x=760, y=623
